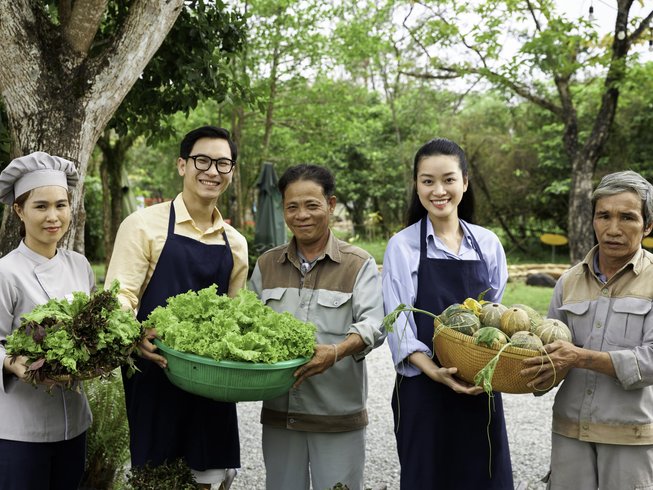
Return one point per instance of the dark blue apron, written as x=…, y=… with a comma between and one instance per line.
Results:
x=441, y=435
x=165, y=422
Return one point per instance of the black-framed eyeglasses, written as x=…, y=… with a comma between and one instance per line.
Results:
x=204, y=162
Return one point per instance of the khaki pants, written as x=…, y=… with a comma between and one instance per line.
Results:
x=294, y=459
x=579, y=465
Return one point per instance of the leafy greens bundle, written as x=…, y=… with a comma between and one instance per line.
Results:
x=239, y=329
x=84, y=338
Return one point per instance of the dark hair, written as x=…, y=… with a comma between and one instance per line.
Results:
x=20, y=202
x=320, y=175
x=441, y=146
x=206, y=132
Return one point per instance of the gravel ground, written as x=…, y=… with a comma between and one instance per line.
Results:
x=529, y=437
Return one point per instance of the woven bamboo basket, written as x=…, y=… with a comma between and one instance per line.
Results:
x=455, y=349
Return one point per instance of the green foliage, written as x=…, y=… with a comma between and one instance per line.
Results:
x=93, y=229
x=490, y=337
x=85, y=338
x=239, y=329
x=107, y=440
x=172, y=475
x=631, y=142
x=191, y=65
x=348, y=104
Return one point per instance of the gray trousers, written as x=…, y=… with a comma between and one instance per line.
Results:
x=295, y=459
x=579, y=465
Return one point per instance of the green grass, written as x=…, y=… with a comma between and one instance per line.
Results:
x=534, y=296
x=375, y=248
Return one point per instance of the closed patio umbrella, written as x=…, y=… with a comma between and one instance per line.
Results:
x=270, y=229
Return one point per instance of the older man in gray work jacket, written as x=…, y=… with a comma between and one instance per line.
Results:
x=603, y=412
x=316, y=433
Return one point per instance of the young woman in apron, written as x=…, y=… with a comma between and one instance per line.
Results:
x=166, y=422
x=440, y=422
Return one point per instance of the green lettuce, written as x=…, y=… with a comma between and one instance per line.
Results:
x=87, y=337
x=239, y=329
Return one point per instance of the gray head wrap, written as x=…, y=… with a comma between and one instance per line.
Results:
x=37, y=169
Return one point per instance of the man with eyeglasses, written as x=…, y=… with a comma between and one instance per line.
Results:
x=161, y=251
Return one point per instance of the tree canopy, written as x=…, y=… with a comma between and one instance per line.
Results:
x=543, y=104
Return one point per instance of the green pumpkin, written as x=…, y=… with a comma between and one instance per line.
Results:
x=450, y=310
x=514, y=320
x=551, y=330
x=464, y=322
x=490, y=315
x=526, y=340
x=534, y=316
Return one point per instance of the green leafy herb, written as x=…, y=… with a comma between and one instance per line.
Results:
x=87, y=337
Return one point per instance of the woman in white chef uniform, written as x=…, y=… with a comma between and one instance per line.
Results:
x=42, y=435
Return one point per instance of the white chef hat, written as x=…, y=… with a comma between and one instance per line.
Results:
x=37, y=169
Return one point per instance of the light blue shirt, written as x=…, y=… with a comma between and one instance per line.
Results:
x=400, y=265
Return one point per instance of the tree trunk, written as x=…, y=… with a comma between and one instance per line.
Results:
x=580, y=209
x=59, y=100
x=584, y=161
x=392, y=93
x=237, y=211
x=269, y=111
x=114, y=153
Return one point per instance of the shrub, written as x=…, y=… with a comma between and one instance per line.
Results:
x=108, y=437
x=176, y=475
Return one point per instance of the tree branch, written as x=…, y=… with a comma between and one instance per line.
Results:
x=568, y=115
x=431, y=76
x=115, y=71
x=520, y=90
x=616, y=73
x=643, y=25
x=532, y=11
x=81, y=23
